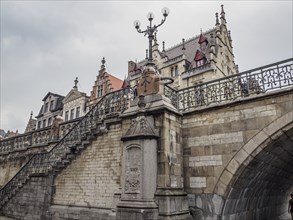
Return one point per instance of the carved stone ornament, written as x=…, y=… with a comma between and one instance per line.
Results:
x=133, y=169
x=149, y=82
x=141, y=127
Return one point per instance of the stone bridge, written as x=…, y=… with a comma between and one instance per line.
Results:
x=219, y=150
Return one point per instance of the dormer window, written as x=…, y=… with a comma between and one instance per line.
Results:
x=200, y=62
x=51, y=105
x=199, y=58
x=46, y=107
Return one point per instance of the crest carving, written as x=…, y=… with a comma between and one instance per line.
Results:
x=133, y=170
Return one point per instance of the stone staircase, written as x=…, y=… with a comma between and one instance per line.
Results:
x=71, y=145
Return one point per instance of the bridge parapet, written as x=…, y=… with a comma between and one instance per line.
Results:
x=253, y=82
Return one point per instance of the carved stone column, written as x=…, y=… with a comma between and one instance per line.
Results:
x=139, y=171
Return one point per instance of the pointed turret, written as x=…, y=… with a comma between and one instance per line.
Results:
x=223, y=19
x=31, y=125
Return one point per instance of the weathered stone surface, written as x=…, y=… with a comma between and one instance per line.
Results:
x=93, y=178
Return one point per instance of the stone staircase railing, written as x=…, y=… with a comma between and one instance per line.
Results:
x=253, y=82
x=70, y=145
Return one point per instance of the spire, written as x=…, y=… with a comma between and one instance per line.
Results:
x=75, y=83
x=217, y=19
x=223, y=19
x=163, y=46
x=31, y=125
x=202, y=38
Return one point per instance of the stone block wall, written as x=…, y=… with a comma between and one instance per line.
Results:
x=170, y=172
x=11, y=163
x=32, y=201
x=211, y=138
x=91, y=180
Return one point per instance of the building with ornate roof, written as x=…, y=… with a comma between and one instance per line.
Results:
x=52, y=107
x=74, y=103
x=202, y=58
x=104, y=83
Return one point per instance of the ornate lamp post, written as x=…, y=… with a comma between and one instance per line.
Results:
x=151, y=29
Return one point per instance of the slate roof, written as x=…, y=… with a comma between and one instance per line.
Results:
x=191, y=46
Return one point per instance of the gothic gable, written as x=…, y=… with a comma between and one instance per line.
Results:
x=199, y=55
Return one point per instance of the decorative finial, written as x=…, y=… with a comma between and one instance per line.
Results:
x=222, y=14
x=163, y=46
x=217, y=19
x=103, y=63
x=222, y=9
x=75, y=83
x=146, y=54
x=31, y=115
x=183, y=44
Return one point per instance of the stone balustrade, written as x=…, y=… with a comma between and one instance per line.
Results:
x=37, y=138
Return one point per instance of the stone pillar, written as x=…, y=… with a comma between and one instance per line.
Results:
x=152, y=170
x=139, y=171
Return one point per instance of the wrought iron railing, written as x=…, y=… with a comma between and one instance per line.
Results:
x=252, y=82
x=112, y=103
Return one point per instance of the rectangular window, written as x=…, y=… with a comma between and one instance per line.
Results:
x=51, y=105
x=49, y=121
x=44, y=123
x=39, y=124
x=71, y=114
x=77, y=112
x=100, y=91
x=200, y=62
x=46, y=107
x=66, y=115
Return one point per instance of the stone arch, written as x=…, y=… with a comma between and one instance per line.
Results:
x=236, y=183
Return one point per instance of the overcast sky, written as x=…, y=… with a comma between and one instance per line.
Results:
x=46, y=44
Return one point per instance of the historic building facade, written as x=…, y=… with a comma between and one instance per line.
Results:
x=74, y=103
x=104, y=83
x=52, y=107
x=156, y=152
x=200, y=59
